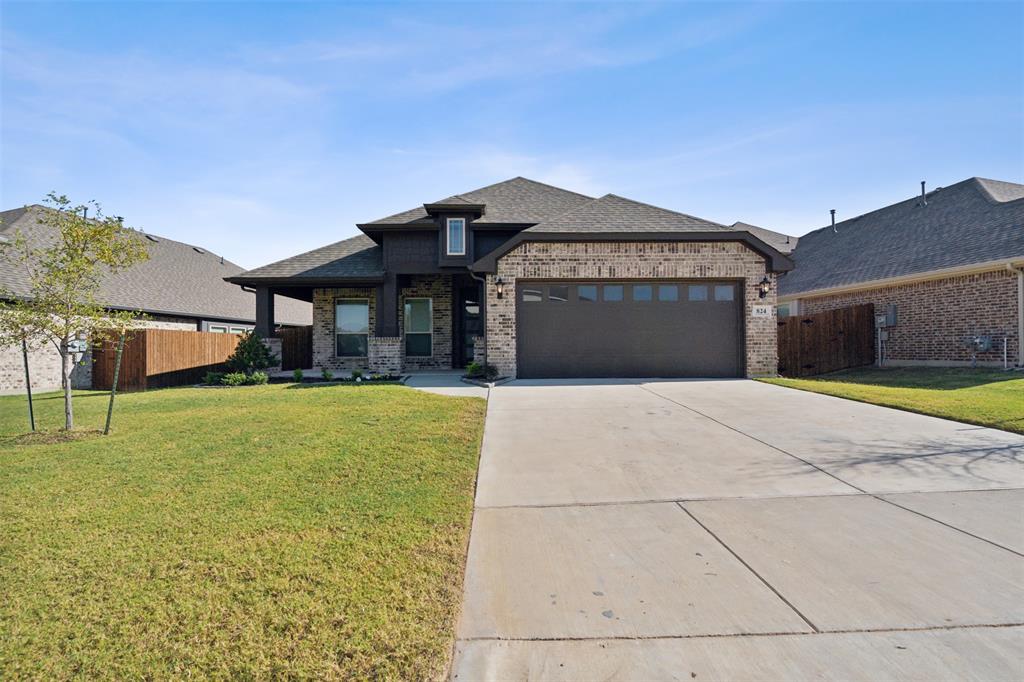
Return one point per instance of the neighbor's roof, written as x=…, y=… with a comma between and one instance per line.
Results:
x=177, y=279
x=613, y=213
x=518, y=201
x=973, y=221
x=781, y=242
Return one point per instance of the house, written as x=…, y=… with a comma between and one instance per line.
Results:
x=539, y=282
x=180, y=286
x=945, y=268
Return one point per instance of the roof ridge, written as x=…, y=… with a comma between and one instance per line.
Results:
x=986, y=190
x=667, y=210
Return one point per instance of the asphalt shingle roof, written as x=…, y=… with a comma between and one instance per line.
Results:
x=178, y=279
x=613, y=213
x=973, y=221
x=783, y=243
x=357, y=257
x=518, y=201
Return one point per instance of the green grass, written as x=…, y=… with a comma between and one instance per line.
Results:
x=255, y=532
x=976, y=396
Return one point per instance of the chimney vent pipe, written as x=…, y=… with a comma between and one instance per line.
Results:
x=833, y=212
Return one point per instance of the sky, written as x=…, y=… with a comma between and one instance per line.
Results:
x=262, y=130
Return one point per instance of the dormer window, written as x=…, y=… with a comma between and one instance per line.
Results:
x=456, y=237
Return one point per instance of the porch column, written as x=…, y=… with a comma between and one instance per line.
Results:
x=264, y=312
x=387, y=307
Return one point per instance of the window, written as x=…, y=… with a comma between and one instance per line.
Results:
x=668, y=292
x=532, y=295
x=587, y=292
x=697, y=292
x=419, y=327
x=558, y=294
x=723, y=292
x=239, y=330
x=612, y=292
x=352, y=327
x=456, y=236
x=783, y=310
x=217, y=329
x=642, y=292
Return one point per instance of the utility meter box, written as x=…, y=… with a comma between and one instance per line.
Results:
x=980, y=344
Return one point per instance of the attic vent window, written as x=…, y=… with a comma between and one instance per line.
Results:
x=152, y=238
x=456, y=237
x=197, y=249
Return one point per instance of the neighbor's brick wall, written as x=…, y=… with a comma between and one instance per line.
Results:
x=631, y=260
x=323, y=327
x=438, y=288
x=936, y=317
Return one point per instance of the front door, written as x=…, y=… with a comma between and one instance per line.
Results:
x=469, y=323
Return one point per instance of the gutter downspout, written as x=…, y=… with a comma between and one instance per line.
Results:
x=1019, y=269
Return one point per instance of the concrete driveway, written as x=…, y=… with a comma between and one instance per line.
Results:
x=703, y=530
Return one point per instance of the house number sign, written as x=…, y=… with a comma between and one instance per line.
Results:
x=761, y=311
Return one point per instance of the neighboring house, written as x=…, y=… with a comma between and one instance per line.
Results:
x=540, y=282
x=945, y=267
x=180, y=286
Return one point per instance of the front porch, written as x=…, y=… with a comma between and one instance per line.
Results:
x=407, y=323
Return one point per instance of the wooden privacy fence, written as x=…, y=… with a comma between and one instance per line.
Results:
x=157, y=358
x=296, y=347
x=827, y=342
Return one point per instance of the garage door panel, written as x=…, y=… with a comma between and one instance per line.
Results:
x=564, y=332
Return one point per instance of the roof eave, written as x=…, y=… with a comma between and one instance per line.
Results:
x=776, y=260
x=297, y=281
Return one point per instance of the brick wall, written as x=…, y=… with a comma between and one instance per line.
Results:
x=438, y=288
x=382, y=350
x=324, y=350
x=936, y=317
x=631, y=260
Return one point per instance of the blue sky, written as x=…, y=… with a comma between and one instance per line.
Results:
x=263, y=130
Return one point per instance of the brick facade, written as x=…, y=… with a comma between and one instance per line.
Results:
x=439, y=289
x=386, y=355
x=632, y=260
x=935, y=318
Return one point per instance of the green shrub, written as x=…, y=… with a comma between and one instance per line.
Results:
x=234, y=379
x=213, y=378
x=251, y=354
x=257, y=378
x=326, y=374
x=297, y=376
x=357, y=374
x=474, y=369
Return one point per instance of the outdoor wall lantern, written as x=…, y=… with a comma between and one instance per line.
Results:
x=499, y=285
x=764, y=287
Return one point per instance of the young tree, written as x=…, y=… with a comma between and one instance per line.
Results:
x=64, y=275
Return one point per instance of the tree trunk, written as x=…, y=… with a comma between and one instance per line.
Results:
x=66, y=367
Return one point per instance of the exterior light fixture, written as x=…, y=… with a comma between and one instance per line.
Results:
x=764, y=287
x=499, y=285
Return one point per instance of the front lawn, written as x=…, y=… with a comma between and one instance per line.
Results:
x=254, y=532
x=976, y=396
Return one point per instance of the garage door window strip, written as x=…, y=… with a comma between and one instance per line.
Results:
x=352, y=326
x=419, y=327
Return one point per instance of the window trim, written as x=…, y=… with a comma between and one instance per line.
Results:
x=338, y=332
x=405, y=326
x=448, y=237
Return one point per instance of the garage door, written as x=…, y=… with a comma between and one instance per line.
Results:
x=629, y=329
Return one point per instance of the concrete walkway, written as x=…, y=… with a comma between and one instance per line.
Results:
x=445, y=383
x=736, y=530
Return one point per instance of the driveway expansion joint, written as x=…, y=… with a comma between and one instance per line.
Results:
x=749, y=567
